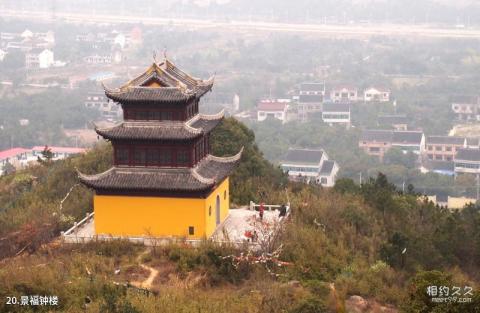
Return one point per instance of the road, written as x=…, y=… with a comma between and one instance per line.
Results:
x=245, y=26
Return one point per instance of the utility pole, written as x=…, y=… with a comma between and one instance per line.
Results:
x=360, y=178
x=403, y=187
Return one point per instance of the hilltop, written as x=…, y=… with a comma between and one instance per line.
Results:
x=370, y=241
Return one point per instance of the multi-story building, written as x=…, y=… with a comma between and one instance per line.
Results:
x=373, y=94
x=466, y=108
x=98, y=59
x=273, y=109
x=310, y=99
x=164, y=182
x=336, y=113
x=309, y=165
x=409, y=141
x=376, y=142
x=39, y=58
x=58, y=153
x=467, y=161
x=21, y=157
x=107, y=107
x=443, y=148
x=344, y=94
x=17, y=157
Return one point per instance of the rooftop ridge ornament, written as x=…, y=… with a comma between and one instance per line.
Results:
x=155, y=57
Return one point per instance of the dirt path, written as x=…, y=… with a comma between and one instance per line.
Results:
x=148, y=282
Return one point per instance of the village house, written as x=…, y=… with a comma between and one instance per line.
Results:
x=473, y=143
x=21, y=157
x=344, y=94
x=39, y=58
x=27, y=40
x=328, y=173
x=15, y=156
x=273, y=109
x=467, y=161
x=376, y=142
x=58, y=153
x=395, y=122
x=310, y=99
x=107, y=107
x=374, y=94
x=443, y=148
x=309, y=165
x=409, y=141
x=439, y=167
x=334, y=113
x=98, y=59
x=466, y=108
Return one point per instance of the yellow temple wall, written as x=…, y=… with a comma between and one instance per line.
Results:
x=159, y=216
x=221, y=191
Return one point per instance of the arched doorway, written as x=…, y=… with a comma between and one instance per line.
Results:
x=217, y=210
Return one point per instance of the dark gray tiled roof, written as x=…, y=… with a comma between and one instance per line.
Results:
x=168, y=130
x=149, y=179
x=392, y=119
x=150, y=94
x=336, y=107
x=310, y=99
x=467, y=155
x=377, y=135
x=327, y=167
x=473, y=141
x=447, y=140
x=209, y=172
x=312, y=87
x=465, y=99
x=161, y=130
x=407, y=137
x=206, y=124
x=440, y=165
x=303, y=156
x=174, y=85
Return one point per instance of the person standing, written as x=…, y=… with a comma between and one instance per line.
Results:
x=261, y=210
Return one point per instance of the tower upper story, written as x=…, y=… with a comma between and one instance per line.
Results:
x=162, y=93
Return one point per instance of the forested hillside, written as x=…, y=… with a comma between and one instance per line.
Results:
x=370, y=240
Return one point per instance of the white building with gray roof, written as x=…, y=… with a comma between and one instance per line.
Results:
x=310, y=165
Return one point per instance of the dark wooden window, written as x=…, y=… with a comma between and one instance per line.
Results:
x=165, y=157
x=122, y=156
x=166, y=116
x=183, y=157
x=153, y=157
x=139, y=156
x=142, y=115
x=151, y=115
x=191, y=230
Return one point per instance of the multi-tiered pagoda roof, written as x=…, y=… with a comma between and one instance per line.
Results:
x=209, y=172
x=163, y=130
x=176, y=86
x=163, y=144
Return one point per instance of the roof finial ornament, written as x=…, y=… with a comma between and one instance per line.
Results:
x=155, y=56
x=165, y=53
